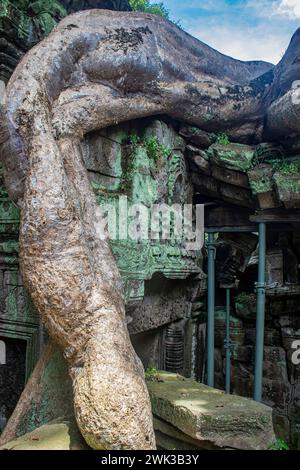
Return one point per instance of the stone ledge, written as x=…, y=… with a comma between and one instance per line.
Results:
x=210, y=416
x=187, y=415
x=59, y=435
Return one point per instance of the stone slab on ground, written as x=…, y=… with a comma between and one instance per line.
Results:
x=58, y=435
x=187, y=415
x=209, y=415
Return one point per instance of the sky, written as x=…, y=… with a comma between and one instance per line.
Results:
x=243, y=29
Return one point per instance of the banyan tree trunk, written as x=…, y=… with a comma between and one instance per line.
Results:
x=98, y=68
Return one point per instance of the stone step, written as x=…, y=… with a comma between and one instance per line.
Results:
x=209, y=416
x=60, y=435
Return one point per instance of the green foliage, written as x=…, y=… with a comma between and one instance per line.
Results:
x=146, y=6
x=286, y=168
x=40, y=7
x=134, y=139
x=45, y=13
x=222, y=139
x=255, y=162
x=280, y=445
x=158, y=8
x=154, y=149
x=21, y=4
x=151, y=373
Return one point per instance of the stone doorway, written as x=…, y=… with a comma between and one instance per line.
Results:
x=12, y=377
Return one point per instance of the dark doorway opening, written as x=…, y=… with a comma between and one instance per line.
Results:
x=12, y=377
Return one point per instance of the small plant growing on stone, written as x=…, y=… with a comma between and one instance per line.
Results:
x=151, y=373
x=222, y=139
x=134, y=139
x=286, y=168
x=280, y=445
x=154, y=149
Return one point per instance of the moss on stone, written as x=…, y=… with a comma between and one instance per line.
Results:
x=261, y=179
x=288, y=184
x=208, y=414
x=58, y=435
x=236, y=157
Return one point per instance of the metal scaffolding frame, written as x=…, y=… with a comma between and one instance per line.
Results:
x=260, y=310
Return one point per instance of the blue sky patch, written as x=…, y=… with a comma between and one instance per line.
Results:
x=244, y=29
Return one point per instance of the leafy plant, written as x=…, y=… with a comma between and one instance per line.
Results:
x=134, y=139
x=40, y=7
x=147, y=7
x=154, y=149
x=151, y=373
x=158, y=8
x=286, y=168
x=222, y=139
x=280, y=445
x=40, y=14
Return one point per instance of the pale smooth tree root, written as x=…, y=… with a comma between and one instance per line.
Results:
x=98, y=68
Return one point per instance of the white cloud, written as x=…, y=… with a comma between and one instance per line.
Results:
x=252, y=43
x=271, y=8
x=246, y=30
x=263, y=8
x=290, y=8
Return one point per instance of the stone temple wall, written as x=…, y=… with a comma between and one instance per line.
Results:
x=167, y=308
x=145, y=161
x=20, y=328
x=161, y=281
x=158, y=160
x=241, y=181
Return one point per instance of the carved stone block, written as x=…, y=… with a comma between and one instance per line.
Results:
x=288, y=188
x=237, y=157
x=262, y=185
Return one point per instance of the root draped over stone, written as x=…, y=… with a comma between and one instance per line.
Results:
x=96, y=69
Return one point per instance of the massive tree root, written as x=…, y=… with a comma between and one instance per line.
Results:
x=96, y=69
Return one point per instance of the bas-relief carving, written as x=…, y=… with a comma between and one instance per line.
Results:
x=117, y=168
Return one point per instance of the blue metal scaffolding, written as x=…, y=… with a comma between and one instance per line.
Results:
x=260, y=314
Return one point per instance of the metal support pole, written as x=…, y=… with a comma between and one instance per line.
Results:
x=260, y=314
x=227, y=343
x=211, y=310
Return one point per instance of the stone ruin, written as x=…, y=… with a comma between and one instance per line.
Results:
x=227, y=136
